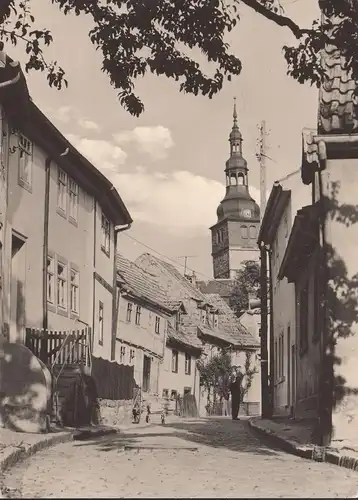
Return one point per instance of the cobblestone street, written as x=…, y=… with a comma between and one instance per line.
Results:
x=216, y=458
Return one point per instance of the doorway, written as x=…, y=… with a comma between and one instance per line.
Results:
x=146, y=373
x=17, y=288
x=293, y=378
x=289, y=399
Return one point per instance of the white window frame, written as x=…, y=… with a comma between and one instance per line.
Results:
x=100, y=322
x=157, y=324
x=175, y=361
x=138, y=313
x=129, y=312
x=187, y=364
x=51, y=288
x=62, y=286
x=105, y=235
x=131, y=356
x=62, y=183
x=25, y=162
x=73, y=194
x=74, y=291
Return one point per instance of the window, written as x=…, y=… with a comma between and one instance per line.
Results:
x=187, y=364
x=173, y=394
x=122, y=355
x=178, y=320
x=244, y=232
x=216, y=320
x=73, y=201
x=281, y=357
x=131, y=356
x=105, y=234
x=276, y=363
x=157, y=324
x=165, y=393
x=62, y=191
x=203, y=316
x=175, y=358
x=303, y=319
x=137, y=315
x=240, y=180
x=25, y=162
x=252, y=232
x=100, y=323
x=74, y=291
x=129, y=312
x=62, y=285
x=50, y=280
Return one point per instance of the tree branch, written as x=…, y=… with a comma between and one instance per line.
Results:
x=276, y=18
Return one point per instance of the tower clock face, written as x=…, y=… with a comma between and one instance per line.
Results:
x=246, y=213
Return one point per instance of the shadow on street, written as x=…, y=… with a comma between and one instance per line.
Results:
x=211, y=432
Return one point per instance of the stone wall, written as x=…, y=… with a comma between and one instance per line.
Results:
x=116, y=413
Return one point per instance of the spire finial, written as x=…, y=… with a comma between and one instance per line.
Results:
x=235, y=112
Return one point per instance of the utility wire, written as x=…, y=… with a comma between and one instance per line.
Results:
x=165, y=256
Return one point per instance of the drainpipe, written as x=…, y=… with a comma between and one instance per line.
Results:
x=115, y=308
x=271, y=336
x=48, y=161
x=325, y=404
x=45, y=243
x=263, y=335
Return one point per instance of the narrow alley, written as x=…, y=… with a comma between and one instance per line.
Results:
x=197, y=458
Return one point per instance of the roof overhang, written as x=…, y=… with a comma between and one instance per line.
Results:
x=303, y=241
x=40, y=129
x=316, y=149
x=275, y=207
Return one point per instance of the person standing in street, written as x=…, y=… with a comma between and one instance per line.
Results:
x=235, y=389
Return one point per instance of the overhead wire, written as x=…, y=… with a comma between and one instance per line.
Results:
x=166, y=256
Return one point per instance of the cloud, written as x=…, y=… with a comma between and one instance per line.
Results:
x=63, y=114
x=88, y=124
x=103, y=154
x=154, y=141
x=180, y=201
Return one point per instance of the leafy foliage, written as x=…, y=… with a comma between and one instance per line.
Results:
x=247, y=284
x=140, y=36
x=215, y=374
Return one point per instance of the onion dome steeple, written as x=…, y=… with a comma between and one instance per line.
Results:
x=237, y=203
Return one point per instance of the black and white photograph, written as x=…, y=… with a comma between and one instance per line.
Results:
x=178, y=286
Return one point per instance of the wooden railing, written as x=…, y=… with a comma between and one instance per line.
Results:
x=60, y=347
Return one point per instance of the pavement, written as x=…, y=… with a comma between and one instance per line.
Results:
x=294, y=436
x=187, y=458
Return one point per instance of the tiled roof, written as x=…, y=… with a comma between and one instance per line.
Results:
x=174, y=282
x=143, y=284
x=338, y=111
x=184, y=336
x=222, y=287
x=229, y=323
x=310, y=157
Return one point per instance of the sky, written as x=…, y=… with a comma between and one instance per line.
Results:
x=168, y=164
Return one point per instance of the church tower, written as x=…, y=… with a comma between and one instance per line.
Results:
x=234, y=236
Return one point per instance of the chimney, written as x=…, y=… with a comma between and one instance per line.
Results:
x=191, y=278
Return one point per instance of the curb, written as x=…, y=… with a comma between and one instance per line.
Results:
x=310, y=452
x=21, y=453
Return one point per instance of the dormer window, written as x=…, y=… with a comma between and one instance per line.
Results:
x=178, y=320
x=203, y=316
